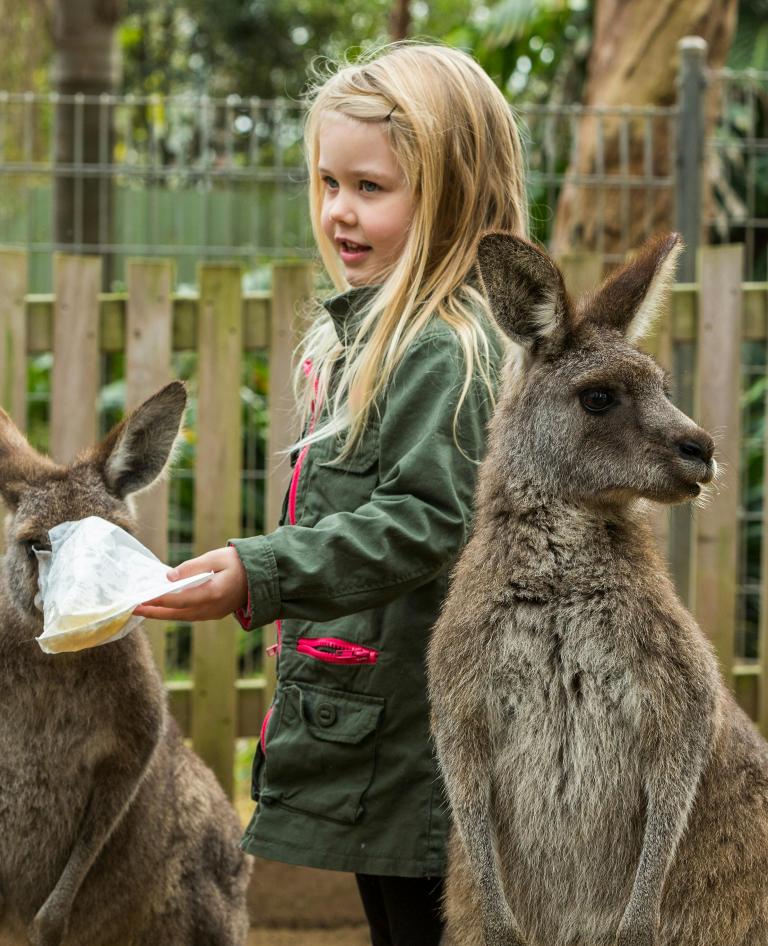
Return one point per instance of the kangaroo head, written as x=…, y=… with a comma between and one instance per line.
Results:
x=41, y=494
x=585, y=414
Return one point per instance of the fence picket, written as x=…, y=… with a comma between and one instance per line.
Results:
x=217, y=506
x=148, y=331
x=581, y=270
x=76, y=368
x=760, y=316
x=718, y=389
x=13, y=335
x=658, y=343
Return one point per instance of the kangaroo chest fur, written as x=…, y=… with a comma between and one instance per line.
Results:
x=579, y=651
x=570, y=719
x=41, y=804
x=60, y=720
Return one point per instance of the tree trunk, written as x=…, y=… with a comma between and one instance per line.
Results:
x=399, y=20
x=87, y=61
x=634, y=61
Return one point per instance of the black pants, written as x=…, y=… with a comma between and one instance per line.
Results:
x=402, y=911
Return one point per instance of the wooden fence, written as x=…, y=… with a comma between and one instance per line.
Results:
x=700, y=338
x=149, y=322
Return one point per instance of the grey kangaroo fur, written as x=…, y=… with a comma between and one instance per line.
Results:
x=605, y=787
x=112, y=833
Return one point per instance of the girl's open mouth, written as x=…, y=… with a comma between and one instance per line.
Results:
x=352, y=252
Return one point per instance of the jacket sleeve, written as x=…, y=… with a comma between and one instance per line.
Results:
x=417, y=519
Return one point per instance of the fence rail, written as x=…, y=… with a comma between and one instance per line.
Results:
x=705, y=340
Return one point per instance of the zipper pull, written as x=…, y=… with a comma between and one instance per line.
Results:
x=362, y=655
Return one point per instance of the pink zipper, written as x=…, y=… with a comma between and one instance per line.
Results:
x=263, y=733
x=274, y=649
x=294, y=487
x=332, y=650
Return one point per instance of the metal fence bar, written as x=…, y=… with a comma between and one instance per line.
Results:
x=690, y=151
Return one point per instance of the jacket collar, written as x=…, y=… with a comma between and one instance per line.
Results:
x=347, y=309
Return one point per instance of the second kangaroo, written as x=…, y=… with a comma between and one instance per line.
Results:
x=606, y=788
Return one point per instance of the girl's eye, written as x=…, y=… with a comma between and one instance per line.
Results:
x=369, y=187
x=330, y=182
x=597, y=400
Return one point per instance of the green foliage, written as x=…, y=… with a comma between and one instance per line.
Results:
x=750, y=44
x=535, y=50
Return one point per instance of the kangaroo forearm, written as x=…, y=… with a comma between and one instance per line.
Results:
x=499, y=924
x=671, y=793
x=115, y=787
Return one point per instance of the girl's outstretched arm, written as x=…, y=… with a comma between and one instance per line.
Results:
x=226, y=592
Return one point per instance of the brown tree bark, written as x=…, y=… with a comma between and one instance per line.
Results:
x=86, y=60
x=399, y=20
x=634, y=61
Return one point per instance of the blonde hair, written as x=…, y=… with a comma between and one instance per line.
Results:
x=457, y=144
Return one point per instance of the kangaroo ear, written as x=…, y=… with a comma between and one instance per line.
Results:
x=524, y=288
x=631, y=299
x=19, y=462
x=136, y=451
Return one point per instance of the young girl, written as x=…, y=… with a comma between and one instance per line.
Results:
x=412, y=155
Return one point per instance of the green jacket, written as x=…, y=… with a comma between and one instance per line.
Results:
x=345, y=776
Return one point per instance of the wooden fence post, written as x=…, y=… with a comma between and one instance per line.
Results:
x=761, y=316
x=148, y=333
x=658, y=343
x=683, y=361
x=13, y=334
x=718, y=392
x=582, y=271
x=13, y=342
x=292, y=286
x=217, y=507
x=76, y=367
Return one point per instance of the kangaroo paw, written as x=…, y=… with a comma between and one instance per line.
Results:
x=47, y=929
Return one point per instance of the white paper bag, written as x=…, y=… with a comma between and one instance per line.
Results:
x=92, y=579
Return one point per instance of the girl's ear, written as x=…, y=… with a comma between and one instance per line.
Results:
x=631, y=298
x=525, y=290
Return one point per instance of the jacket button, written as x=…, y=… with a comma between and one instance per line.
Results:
x=326, y=714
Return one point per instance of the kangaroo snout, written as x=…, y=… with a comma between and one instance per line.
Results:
x=699, y=449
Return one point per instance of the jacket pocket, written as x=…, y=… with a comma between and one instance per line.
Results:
x=322, y=750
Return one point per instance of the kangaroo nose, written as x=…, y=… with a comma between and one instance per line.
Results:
x=701, y=449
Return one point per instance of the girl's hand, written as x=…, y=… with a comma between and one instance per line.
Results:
x=224, y=593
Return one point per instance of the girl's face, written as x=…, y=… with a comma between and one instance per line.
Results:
x=367, y=205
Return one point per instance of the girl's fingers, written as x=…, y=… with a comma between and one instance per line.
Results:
x=169, y=614
x=213, y=561
x=188, y=598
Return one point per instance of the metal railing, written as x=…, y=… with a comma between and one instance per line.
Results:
x=205, y=178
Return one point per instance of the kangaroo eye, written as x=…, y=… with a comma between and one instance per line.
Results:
x=33, y=545
x=597, y=400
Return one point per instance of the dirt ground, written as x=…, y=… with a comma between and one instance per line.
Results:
x=343, y=936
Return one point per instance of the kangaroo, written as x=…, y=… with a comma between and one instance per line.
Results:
x=112, y=832
x=605, y=787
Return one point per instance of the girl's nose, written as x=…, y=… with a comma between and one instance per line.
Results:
x=342, y=211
